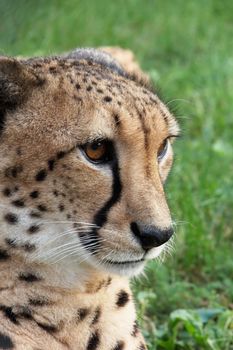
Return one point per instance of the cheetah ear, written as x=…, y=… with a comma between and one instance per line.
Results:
x=16, y=82
x=128, y=62
x=14, y=79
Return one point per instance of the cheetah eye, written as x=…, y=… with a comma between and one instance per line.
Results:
x=162, y=150
x=100, y=151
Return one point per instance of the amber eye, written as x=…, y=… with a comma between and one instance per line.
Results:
x=98, y=151
x=162, y=150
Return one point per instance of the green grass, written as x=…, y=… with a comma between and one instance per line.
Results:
x=186, y=46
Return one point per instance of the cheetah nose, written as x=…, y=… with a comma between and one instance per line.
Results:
x=150, y=236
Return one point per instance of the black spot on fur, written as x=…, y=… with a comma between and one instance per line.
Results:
x=34, y=214
x=37, y=65
x=71, y=80
x=50, y=328
x=13, y=171
x=61, y=207
x=82, y=313
x=109, y=280
x=3, y=255
x=41, y=175
x=10, y=242
x=93, y=341
x=8, y=313
x=135, y=330
x=142, y=347
x=33, y=229
x=51, y=163
x=61, y=155
x=41, y=207
x=89, y=88
x=107, y=99
x=38, y=301
x=6, y=192
x=28, y=247
x=97, y=316
x=18, y=203
x=119, y=346
x=53, y=70
x=34, y=194
x=18, y=151
x=55, y=193
x=122, y=298
x=16, y=170
x=5, y=342
x=78, y=86
x=100, y=91
x=11, y=218
x=29, y=277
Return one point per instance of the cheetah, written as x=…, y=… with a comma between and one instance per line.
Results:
x=86, y=146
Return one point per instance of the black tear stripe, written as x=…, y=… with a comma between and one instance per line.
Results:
x=90, y=241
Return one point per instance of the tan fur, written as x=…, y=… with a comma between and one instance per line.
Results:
x=54, y=294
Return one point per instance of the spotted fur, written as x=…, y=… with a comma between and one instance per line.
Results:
x=70, y=237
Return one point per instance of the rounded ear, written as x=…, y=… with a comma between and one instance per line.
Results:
x=14, y=82
x=128, y=62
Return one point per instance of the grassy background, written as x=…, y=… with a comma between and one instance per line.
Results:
x=186, y=46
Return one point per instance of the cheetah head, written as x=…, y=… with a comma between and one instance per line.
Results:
x=85, y=151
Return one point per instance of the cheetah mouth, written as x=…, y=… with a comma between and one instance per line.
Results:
x=127, y=268
x=126, y=262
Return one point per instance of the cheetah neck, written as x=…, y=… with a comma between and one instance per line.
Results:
x=49, y=315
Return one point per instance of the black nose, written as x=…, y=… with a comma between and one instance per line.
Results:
x=150, y=236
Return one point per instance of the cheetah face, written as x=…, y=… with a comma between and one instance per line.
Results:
x=85, y=151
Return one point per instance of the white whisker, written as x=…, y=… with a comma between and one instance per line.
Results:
x=66, y=233
x=68, y=222
x=178, y=100
x=64, y=253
